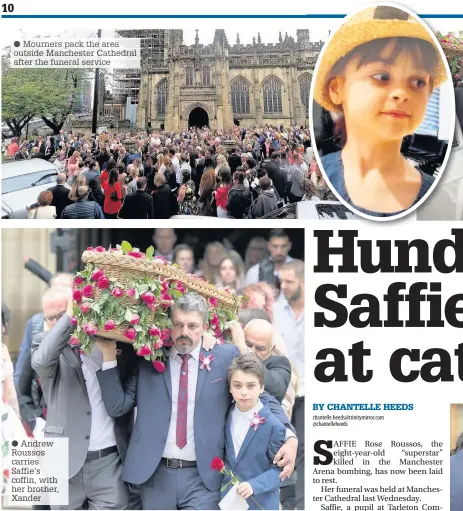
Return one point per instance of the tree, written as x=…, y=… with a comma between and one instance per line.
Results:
x=21, y=94
x=48, y=93
x=60, y=89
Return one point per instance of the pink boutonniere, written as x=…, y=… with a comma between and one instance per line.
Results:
x=257, y=421
x=206, y=361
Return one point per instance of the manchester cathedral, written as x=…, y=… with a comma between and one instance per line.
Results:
x=218, y=84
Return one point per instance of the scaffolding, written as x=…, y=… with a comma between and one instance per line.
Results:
x=126, y=82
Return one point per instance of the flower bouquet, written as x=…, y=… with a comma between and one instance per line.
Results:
x=125, y=295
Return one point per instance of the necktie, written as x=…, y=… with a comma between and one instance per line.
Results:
x=182, y=403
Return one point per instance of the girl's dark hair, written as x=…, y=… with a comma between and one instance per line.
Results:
x=113, y=176
x=224, y=176
x=185, y=177
x=111, y=164
x=423, y=52
x=239, y=176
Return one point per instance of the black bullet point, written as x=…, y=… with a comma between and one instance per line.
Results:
x=17, y=44
x=14, y=443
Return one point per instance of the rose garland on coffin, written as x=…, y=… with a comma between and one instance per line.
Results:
x=139, y=309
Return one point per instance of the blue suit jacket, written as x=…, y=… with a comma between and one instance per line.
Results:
x=456, y=481
x=254, y=462
x=152, y=394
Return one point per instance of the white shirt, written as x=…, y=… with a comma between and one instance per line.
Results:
x=171, y=450
x=240, y=424
x=102, y=426
x=176, y=165
x=292, y=331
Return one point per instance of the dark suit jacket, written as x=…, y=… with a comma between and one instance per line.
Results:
x=277, y=376
x=65, y=392
x=60, y=198
x=151, y=392
x=137, y=205
x=162, y=198
x=456, y=481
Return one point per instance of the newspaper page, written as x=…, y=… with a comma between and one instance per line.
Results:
x=170, y=294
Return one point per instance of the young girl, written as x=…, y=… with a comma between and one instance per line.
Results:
x=378, y=73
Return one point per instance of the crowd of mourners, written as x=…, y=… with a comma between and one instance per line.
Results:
x=244, y=172
x=271, y=283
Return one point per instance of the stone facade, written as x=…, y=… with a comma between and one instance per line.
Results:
x=220, y=85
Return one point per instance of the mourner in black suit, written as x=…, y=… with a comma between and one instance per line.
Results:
x=138, y=204
x=60, y=195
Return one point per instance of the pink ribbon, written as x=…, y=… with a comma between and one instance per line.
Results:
x=257, y=421
x=206, y=361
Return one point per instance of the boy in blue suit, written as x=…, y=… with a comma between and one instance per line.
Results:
x=253, y=435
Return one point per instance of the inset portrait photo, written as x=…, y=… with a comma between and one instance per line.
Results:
x=383, y=112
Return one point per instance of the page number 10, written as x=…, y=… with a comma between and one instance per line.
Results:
x=7, y=7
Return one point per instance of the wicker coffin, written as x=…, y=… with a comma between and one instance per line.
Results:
x=124, y=268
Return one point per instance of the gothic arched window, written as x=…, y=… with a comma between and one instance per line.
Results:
x=240, y=96
x=161, y=90
x=304, y=85
x=189, y=76
x=206, y=75
x=272, y=96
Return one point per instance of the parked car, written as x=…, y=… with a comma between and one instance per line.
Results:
x=22, y=181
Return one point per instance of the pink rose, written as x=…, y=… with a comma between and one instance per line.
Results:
x=215, y=322
x=100, y=249
x=89, y=328
x=137, y=255
x=154, y=331
x=165, y=297
x=109, y=325
x=85, y=308
x=130, y=333
x=144, y=350
x=159, y=366
x=87, y=290
x=78, y=281
x=160, y=259
x=179, y=287
x=103, y=283
x=157, y=344
x=213, y=301
x=135, y=319
x=130, y=292
x=148, y=298
x=117, y=292
x=90, y=249
x=74, y=320
x=97, y=274
x=77, y=295
x=164, y=286
x=165, y=335
x=74, y=341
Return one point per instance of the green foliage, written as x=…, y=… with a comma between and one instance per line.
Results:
x=48, y=93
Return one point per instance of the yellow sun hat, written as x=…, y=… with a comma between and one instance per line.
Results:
x=368, y=25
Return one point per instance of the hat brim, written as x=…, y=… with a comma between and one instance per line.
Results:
x=351, y=35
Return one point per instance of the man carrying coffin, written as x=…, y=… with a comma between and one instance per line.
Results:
x=180, y=414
